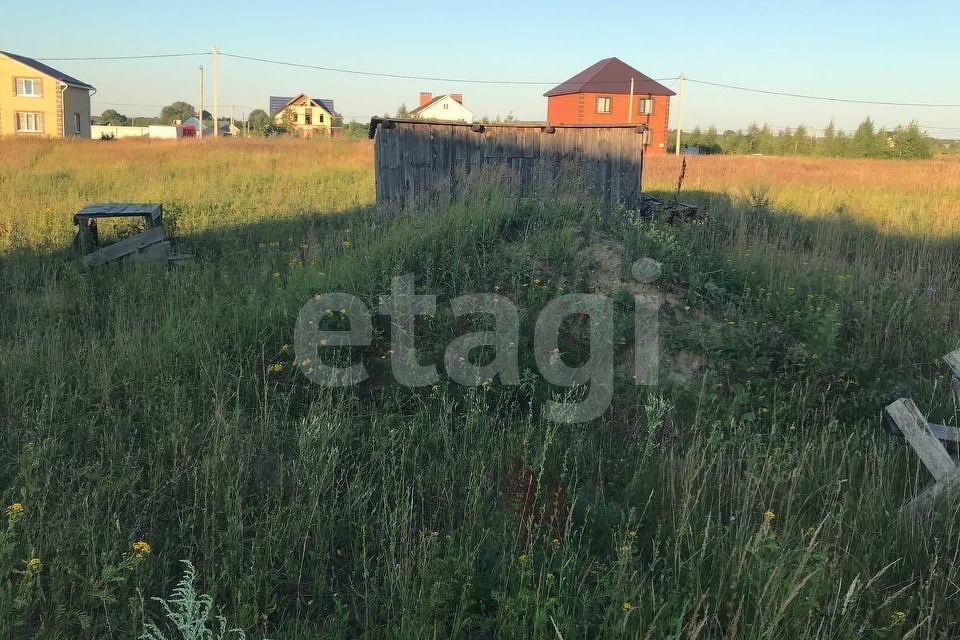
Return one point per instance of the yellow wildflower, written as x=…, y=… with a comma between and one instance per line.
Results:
x=555, y=543
x=323, y=342
x=899, y=617
x=632, y=534
x=524, y=559
x=328, y=313
x=33, y=564
x=346, y=244
x=769, y=516
x=141, y=548
x=15, y=510
x=276, y=367
x=276, y=274
x=627, y=607
x=285, y=348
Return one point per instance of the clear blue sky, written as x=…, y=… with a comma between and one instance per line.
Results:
x=880, y=50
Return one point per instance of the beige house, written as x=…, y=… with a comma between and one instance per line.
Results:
x=41, y=101
x=308, y=116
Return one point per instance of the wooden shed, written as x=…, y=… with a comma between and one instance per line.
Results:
x=420, y=162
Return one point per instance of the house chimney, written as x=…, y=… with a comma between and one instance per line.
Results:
x=458, y=97
x=425, y=97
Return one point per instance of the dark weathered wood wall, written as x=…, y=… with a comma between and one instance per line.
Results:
x=420, y=163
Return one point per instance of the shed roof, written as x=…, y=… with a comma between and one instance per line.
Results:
x=48, y=70
x=610, y=75
x=279, y=103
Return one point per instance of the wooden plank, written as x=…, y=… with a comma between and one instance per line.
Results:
x=946, y=488
x=914, y=427
x=944, y=433
x=126, y=246
x=158, y=251
x=953, y=361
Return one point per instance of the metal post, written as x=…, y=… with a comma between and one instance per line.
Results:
x=216, y=98
x=200, y=110
x=679, y=112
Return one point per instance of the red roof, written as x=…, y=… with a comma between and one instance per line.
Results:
x=610, y=75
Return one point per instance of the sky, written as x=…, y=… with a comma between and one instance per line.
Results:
x=878, y=51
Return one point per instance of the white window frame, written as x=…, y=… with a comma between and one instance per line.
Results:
x=77, y=123
x=645, y=102
x=607, y=101
x=23, y=118
x=35, y=84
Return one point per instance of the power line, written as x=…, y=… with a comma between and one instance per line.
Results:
x=829, y=99
x=401, y=76
x=145, y=57
x=398, y=76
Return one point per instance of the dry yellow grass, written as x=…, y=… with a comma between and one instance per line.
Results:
x=209, y=184
x=228, y=182
x=908, y=197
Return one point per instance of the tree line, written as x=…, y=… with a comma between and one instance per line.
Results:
x=867, y=141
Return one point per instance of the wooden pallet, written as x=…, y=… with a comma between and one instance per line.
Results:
x=927, y=441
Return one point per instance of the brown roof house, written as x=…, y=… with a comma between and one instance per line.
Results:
x=613, y=92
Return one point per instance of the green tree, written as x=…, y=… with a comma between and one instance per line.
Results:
x=402, y=111
x=911, y=143
x=867, y=142
x=258, y=120
x=113, y=117
x=829, y=145
x=179, y=110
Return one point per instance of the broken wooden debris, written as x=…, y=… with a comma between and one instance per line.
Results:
x=927, y=439
x=149, y=244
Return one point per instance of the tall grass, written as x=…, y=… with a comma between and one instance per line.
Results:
x=756, y=497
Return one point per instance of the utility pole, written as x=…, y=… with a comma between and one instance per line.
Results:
x=200, y=111
x=679, y=112
x=216, y=98
x=630, y=105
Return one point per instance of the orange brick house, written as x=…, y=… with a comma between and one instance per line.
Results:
x=601, y=94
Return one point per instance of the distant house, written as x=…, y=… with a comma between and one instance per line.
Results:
x=445, y=107
x=43, y=101
x=613, y=92
x=194, y=123
x=308, y=116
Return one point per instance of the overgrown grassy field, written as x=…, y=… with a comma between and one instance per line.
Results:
x=751, y=493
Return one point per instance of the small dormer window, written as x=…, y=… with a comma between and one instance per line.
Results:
x=446, y=106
